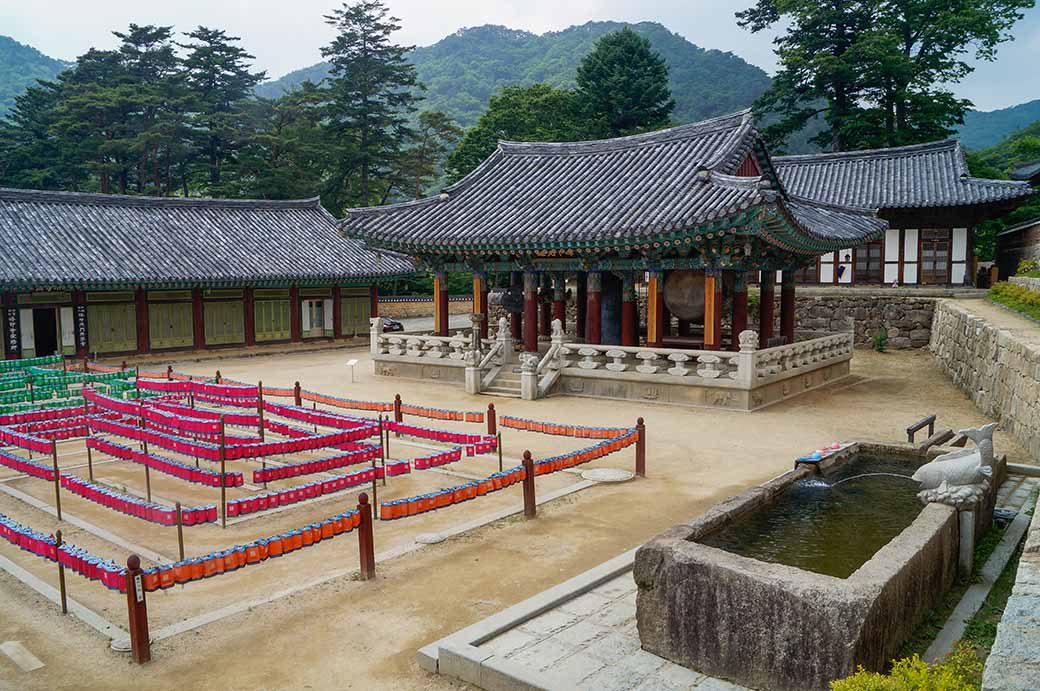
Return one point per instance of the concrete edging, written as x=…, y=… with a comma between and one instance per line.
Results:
x=457, y=655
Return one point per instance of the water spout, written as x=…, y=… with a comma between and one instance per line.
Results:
x=856, y=477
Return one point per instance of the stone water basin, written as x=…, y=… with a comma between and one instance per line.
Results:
x=781, y=588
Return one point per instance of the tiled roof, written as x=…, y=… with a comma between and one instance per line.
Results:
x=1029, y=172
x=64, y=239
x=589, y=194
x=918, y=176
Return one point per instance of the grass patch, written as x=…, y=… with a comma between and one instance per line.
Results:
x=1017, y=298
x=936, y=618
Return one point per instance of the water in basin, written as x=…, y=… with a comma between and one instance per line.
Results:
x=828, y=529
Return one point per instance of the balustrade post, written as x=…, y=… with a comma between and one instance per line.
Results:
x=375, y=334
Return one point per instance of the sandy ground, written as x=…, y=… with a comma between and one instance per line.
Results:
x=352, y=634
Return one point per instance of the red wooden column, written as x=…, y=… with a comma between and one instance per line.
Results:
x=295, y=325
x=712, y=310
x=516, y=319
x=373, y=301
x=559, y=305
x=767, y=294
x=79, y=320
x=143, y=339
x=248, y=305
x=655, y=321
x=198, y=319
x=787, y=306
x=594, y=288
x=740, y=317
x=545, y=307
x=530, y=312
x=629, y=311
x=440, y=304
x=580, y=303
x=337, y=312
x=480, y=300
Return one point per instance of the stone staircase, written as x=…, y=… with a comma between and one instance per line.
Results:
x=506, y=383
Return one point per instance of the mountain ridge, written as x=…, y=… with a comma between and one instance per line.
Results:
x=20, y=66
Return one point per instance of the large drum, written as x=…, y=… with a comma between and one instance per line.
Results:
x=684, y=295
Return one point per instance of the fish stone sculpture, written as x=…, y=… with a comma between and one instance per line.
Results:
x=958, y=478
x=983, y=439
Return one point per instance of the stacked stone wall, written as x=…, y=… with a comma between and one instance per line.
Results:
x=1026, y=282
x=998, y=371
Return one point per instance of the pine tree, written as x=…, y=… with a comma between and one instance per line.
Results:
x=370, y=94
x=623, y=84
x=218, y=77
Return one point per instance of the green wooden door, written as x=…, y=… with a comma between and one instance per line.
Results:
x=271, y=320
x=112, y=328
x=355, y=313
x=170, y=325
x=225, y=322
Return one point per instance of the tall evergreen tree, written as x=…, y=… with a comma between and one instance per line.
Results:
x=218, y=77
x=371, y=93
x=436, y=134
x=623, y=84
x=876, y=70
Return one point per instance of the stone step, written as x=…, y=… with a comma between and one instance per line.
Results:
x=498, y=391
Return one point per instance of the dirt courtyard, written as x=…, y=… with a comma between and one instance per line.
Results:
x=353, y=634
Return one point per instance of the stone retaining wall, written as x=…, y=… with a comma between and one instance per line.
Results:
x=421, y=308
x=1026, y=282
x=999, y=372
x=1014, y=662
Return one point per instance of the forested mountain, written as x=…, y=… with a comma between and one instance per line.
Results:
x=462, y=71
x=20, y=67
x=985, y=129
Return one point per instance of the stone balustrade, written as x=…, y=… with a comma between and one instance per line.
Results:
x=705, y=366
x=787, y=360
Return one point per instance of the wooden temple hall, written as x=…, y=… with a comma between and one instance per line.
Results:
x=692, y=214
x=691, y=210
x=91, y=274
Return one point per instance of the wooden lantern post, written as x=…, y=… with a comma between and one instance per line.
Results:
x=530, y=506
x=366, y=545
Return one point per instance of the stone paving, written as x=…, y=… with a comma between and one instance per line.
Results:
x=591, y=642
x=1016, y=491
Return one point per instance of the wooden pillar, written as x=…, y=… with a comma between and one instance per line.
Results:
x=79, y=321
x=559, y=305
x=530, y=312
x=198, y=319
x=516, y=319
x=373, y=301
x=249, y=318
x=629, y=311
x=143, y=339
x=712, y=310
x=337, y=312
x=480, y=300
x=580, y=303
x=594, y=286
x=655, y=321
x=739, y=321
x=295, y=323
x=440, y=304
x=545, y=306
x=767, y=294
x=787, y=306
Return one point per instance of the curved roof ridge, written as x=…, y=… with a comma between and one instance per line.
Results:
x=940, y=144
x=97, y=198
x=743, y=182
x=844, y=208
x=743, y=117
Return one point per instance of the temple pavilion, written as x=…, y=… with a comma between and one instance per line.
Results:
x=691, y=210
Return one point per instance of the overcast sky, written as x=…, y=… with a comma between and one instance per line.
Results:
x=287, y=34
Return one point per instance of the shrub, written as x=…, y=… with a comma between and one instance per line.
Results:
x=881, y=339
x=960, y=671
x=1028, y=267
x=1018, y=298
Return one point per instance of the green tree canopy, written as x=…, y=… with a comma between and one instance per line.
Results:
x=623, y=85
x=878, y=71
x=536, y=113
